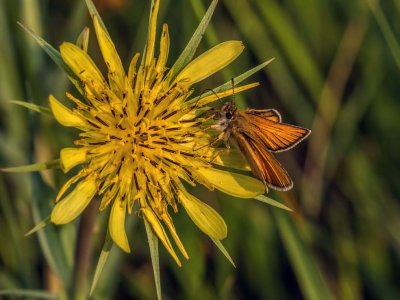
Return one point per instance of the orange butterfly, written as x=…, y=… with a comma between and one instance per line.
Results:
x=259, y=134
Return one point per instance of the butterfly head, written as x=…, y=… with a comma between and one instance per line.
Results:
x=224, y=116
x=228, y=111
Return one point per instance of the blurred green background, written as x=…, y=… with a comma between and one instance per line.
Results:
x=337, y=71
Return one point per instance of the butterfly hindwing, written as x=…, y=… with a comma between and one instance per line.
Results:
x=262, y=162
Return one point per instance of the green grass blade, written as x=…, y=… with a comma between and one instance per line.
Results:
x=307, y=272
x=296, y=49
x=153, y=245
x=262, y=45
x=48, y=237
x=272, y=202
x=189, y=51
x=388, y=33
x=53, y=164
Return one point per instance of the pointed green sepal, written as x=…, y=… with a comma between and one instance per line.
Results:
x=272, y=202
x=108, y=243
x=223, y=250
x=39, y=226
x=153, y=246
x=54, y=55
x=53, y=164
x=40, y=109
x=94, y=13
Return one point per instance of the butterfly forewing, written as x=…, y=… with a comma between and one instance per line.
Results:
x=269, y=114
x=276, y=136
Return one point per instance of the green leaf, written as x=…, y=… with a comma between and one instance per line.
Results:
x=108, y=243
x=189, y=51
x=53, y=164
x=48, y=237
x=30, y=294
x=94, y=13
x=223, y=250
x=40, y=109
x=153, y=245
x=305, y=267
x=238, y=79
x=272, y=202
x=39, y=226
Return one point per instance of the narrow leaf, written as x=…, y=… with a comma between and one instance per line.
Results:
x=387, y=31
x=223, y=250
x=53, y=164
x=108, y=243
x=40, y=109
x=194, y=42
x=272, y=202
x=39, y=226
x=238, y=79
x=153, y=245
x=311, y=281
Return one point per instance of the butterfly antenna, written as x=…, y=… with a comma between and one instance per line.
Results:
x=203, y=93
x=233, y=90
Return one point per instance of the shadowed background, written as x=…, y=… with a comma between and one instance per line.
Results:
x=336, y=71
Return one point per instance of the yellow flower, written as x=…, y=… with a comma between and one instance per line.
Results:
x=142, y=138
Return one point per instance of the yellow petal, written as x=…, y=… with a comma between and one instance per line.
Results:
x=168, y=221
x=81, y=64
x=204, y=216
x=64, y=115
x=72, y=205
x=151, y=38
x=68, y=184
x=132, y=69
x=164, y=50
x=116, y=71
x=116, y=225
x=160, y=232
x=83, y=39
x=234, y=184
x=211, y=61
x=71, y=157
x=231, y=158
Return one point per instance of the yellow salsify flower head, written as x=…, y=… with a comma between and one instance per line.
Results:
x=142, y=138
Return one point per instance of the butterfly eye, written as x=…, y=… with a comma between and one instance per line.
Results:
x=228, y=115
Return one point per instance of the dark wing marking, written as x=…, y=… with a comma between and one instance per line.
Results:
x=270, y=114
